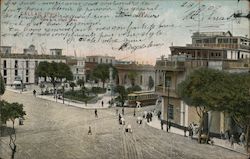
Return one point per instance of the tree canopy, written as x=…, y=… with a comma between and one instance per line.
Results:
x=101, y=72
x=122, y=94
x=55, y=71
x=11, y=111
x=208, y=89
x=132, y=76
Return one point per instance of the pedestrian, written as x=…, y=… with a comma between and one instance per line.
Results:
x=161, y=125
x=20, y=121
x=150, y=116
x=185, y=131
x=169, y=125
x=96, y=115
x=227, y=135
x=147, y=116
x=232, y=140
x=242, y=139
x=119, y=117
x=102, y=103
x=134, y=111
x=89, y=132
x=34, y=92
x=159, y=115
x=122, y=111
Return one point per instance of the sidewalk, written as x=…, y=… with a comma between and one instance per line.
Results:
x=98, y=105
x=156, y=123
x=68, y=102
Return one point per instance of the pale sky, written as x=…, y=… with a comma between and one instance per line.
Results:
x=181, y=18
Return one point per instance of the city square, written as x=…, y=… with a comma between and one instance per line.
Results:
x=55, y=131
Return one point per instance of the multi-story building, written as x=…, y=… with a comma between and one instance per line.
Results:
x=77, y=66
x=56, y=52
x=22, y=66
x=92, y=61
x=217, y=50
x=143, y=73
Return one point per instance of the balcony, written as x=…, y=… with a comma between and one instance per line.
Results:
x=163, y=91
x=170, y=65
x=220, y=46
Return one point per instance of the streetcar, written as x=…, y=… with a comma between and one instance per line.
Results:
x=144, y=98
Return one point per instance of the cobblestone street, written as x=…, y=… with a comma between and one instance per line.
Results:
x=56, y=131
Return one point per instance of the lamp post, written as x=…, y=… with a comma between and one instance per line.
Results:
x=63, y=91
x=168, y=86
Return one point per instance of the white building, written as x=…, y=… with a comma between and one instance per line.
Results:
x=77, y=66
x=22, y=66
x=56, y=52
x=101, y=59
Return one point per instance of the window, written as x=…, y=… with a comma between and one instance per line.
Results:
x=167, y=81
x=16, y=72
x=5, y=80
x=16, y=63
x=27, y=64
x=235, y=41
x=27, y=79
x=5, y=72
x=4, y=64
x=170, y=111
x=77, y=70
x=219, y=40
x=27, y=72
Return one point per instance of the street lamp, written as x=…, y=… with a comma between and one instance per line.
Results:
x=168, y=86
x=63, y=85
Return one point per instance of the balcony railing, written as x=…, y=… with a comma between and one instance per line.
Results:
x=224, y=45
x=170, y=65
x=163, y=91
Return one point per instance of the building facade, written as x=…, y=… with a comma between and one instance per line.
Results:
x=77, y=66
x=216, y=50
x=22, y=66
x=143, y=73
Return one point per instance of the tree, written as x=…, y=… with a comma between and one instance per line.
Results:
x=132, y=76
x=134, y=89
x=55, y=71
x=150, y=83
x=122, y=94
x=12, y=111
x=80, y=82
x=72, y=85
x=195, y=90
x=101, y=71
